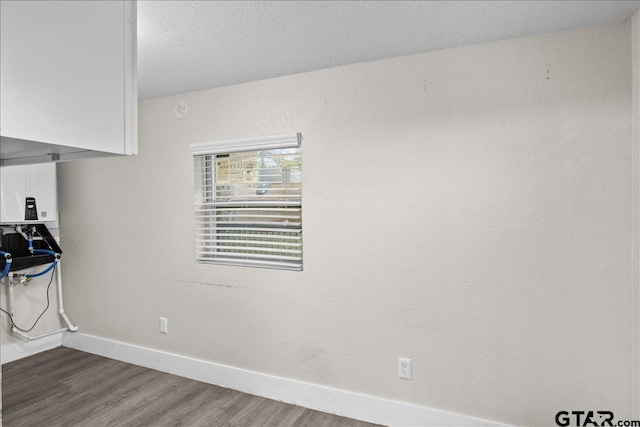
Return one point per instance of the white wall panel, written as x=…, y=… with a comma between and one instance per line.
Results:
x=469, y=209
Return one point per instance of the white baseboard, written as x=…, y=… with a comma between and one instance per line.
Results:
x=18, y=350
x=313, y=396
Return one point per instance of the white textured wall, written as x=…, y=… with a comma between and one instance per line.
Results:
x=468, y=208
x=636, y=206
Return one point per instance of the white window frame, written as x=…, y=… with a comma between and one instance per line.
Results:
x=208, y=211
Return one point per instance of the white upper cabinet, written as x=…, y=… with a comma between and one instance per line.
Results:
x=68, y=84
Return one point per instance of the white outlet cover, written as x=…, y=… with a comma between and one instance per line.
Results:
x=164, y=325
x=404, y=368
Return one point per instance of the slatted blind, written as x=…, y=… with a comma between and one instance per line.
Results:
x=249, y=208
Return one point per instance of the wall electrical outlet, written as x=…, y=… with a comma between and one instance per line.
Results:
x=404, y=368
x=164, y=324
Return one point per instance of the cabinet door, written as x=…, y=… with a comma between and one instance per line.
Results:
x=63, y=77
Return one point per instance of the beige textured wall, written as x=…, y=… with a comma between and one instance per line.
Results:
x=468, y=208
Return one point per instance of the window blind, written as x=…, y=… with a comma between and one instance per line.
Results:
x=248, y=208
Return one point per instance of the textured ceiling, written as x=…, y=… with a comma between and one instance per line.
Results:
x=192, y=45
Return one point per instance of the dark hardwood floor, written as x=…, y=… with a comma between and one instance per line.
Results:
x=66, y=387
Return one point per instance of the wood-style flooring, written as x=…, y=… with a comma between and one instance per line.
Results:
x=66, y=387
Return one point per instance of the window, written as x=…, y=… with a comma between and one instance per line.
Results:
x=248, y=202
